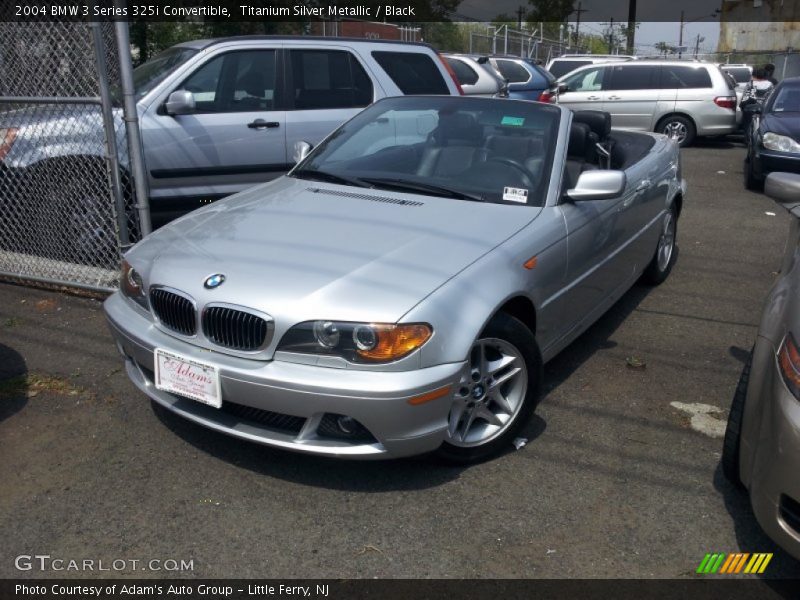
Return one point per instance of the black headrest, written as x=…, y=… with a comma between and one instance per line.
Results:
x=457, y=126
x=578, y=140
x=597, y=120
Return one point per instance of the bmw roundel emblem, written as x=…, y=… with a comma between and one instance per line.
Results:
x=214, y=281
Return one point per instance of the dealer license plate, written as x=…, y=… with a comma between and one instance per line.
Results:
x=187, y=377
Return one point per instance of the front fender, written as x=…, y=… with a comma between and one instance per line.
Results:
x=461, y=308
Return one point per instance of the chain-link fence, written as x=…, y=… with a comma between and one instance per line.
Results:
x=518, y=43
x=65, y=193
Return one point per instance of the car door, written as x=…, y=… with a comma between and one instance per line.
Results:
x=234, y=138
x=584, y=89
x=600, y=258
x=632, y=93
x=326, y=87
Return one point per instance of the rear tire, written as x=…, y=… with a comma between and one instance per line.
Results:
x=681, y=129
x=661, y=264
x=497, y=394
x=732, y=444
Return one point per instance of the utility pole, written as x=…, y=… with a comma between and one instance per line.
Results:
x=578, y=11
x=631, y=26
x=680, y=39
x=697, y=44
x=611, y=37
x=520, y=13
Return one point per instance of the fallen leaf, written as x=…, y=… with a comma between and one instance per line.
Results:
x=635, y=363
x=44, y=306
x=519, y=442
x=369, y=548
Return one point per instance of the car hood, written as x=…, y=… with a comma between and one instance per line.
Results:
x=787, y=124
x=301, y=250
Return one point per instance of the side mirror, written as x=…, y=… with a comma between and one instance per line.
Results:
x=180, y=102
x=301, y=150
x=562, y=87
x=598, y=185
x=784, y=188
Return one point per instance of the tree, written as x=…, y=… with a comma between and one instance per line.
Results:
x=665, y=48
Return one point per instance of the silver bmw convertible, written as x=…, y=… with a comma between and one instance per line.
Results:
x=399, y=291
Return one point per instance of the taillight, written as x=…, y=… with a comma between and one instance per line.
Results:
x=789, y=362
x=449, y=69
x=726, y=102
x=7, y=137
x=547, y=96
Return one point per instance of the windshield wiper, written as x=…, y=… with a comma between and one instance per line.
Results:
x=416, y=186
x=329, y=177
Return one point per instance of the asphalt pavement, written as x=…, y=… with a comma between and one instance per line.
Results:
x=613, y=482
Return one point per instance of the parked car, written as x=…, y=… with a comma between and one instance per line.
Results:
x=773, y=137
x=526, y=80
x=218, y=116
x=400, y=289
x=742, y=74
x=761, y=451
x=476, y=76
x=562, y=65
x=679, y=99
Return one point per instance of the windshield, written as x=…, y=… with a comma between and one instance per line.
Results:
x=785, y=99
x=463, y=148
x=562, y=67
x=150, y=74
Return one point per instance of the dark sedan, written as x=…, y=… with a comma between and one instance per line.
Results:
x=773, y=134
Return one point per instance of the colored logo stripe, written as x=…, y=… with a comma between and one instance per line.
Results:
x=740, y=562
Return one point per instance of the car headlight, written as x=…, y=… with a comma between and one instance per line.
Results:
x=781, y=143
x=131, y=285
x=7, y=137
x=356, y=342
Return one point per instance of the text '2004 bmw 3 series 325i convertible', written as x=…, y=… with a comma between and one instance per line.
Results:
x=400, y=290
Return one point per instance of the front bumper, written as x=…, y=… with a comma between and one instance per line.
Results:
x=261, y=397
x=771, y=161
x=774, y=484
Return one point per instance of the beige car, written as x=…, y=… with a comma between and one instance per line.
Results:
x=761, y=451
x=680, y=99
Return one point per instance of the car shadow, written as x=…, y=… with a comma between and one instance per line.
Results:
x=751, y=538
x=13, y=384
x=597, y=337
x=715, y=143
x=370, y=476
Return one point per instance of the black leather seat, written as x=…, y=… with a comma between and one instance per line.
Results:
x=453, y=146
x=581, y=151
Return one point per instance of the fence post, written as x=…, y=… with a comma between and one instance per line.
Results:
x=108, y=126
x=131, y=118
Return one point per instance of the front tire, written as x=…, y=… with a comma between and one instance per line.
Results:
x=680, y=129
x=663, y=259
x=732, y=444
x=498, y=392
x=751, y=180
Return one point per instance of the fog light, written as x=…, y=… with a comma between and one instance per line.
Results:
x=347, y=424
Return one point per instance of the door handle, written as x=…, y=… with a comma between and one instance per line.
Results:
x=643, y=185
x=614, y=98
x=262, y=124
x=593, y=97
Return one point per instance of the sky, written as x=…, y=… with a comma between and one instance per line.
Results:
x=659, y=19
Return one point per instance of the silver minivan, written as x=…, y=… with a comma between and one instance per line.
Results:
x=218, y=116
x=677, y=98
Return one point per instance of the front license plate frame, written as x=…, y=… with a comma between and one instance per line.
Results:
x=187, y=377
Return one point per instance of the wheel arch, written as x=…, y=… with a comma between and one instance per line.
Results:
x=521, y=308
